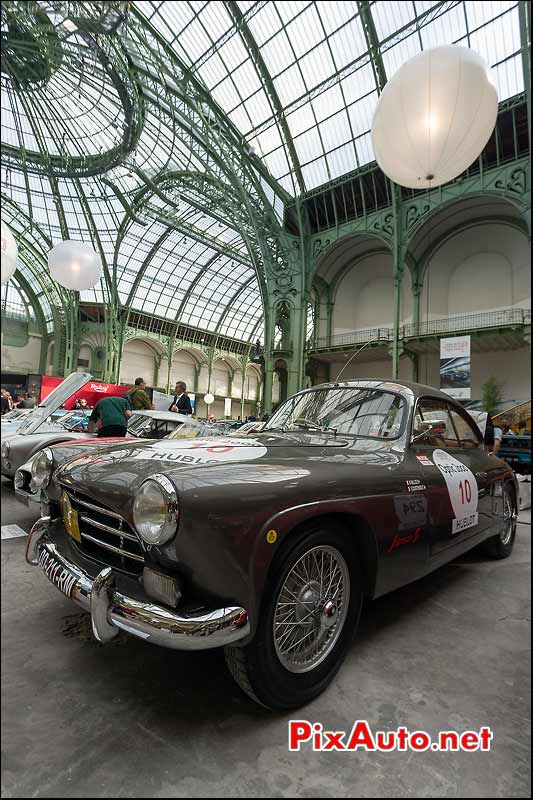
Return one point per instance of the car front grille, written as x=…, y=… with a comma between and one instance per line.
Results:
x=106, y=536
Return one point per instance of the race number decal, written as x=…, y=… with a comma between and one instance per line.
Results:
x=462, y=487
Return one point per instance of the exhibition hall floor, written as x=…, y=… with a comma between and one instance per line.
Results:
x=451, y=651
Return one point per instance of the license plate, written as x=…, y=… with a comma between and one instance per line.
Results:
x=58, y=575
x=70, y=518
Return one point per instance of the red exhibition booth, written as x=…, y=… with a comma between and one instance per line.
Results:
x=93, y=391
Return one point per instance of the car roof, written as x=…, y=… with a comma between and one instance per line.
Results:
x=407, y=388
x=169, y=416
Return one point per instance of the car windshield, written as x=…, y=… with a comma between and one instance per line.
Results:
x=74, y=419
x=153, y=428
x=349, y=411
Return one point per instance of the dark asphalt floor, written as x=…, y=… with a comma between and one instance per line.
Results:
x=132, y=720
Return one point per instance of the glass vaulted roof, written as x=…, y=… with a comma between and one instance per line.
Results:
x=101, y=141
x=316, y=62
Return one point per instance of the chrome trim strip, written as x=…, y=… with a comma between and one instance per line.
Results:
x=115, y=531
x=111, y=547
x=146, y=620
x=100, y=510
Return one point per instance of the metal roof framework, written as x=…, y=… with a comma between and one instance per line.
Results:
x=171, y=135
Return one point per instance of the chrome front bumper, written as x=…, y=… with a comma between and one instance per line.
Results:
x=111, y=610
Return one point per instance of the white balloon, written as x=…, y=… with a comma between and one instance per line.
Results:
x=74, y=265
x=209, y=398
x=434, y=117
x=9, y=251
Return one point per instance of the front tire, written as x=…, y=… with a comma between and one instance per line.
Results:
x=310, y=610
x=501, y=545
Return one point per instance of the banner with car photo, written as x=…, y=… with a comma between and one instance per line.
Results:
x=455, y=373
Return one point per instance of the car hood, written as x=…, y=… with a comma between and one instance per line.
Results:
x=53, y=401
x=124, y=465
x=44, y=436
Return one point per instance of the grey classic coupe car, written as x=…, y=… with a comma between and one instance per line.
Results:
x=40, y=429
x=268, y=544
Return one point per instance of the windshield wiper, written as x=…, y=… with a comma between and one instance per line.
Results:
x=309, y=425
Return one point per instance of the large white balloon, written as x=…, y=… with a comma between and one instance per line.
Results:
x=434, y=117
x=9, y=253
x=74, y=265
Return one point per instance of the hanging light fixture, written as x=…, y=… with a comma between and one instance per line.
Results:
x=9, y=251
x=74, y=265
x=209, y=398
x=434, y=117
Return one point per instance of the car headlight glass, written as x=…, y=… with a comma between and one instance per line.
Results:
x=5, y=449
x=155, y=510
x=41, y=470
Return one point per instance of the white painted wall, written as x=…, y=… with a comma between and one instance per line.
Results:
x=85, y=354
x=236, y=387
x=512, y=368
x=482, y=268
x=23, y=360
x=371, y=370
x=220, y=379
x=182, y=369
x=138, y=361
x=365, y=296
x=251, y=385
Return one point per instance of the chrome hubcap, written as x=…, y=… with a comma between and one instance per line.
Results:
x=311, y=609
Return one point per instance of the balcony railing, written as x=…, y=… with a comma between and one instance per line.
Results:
x=464, y=323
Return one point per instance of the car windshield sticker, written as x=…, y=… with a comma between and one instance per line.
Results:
x=425, y=461
x=462, y=487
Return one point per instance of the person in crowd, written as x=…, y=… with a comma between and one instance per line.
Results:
x=27, y=401
x=110, y=416
x=181, y=403
x=81, y=403
x=4, y=402
x=265, y=417
x=493, y=436
x=138, y=397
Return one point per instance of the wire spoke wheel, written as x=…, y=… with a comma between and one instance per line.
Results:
x=509, y=517
x=311, y=608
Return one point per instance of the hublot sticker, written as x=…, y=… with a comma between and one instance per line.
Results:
x=202, y=451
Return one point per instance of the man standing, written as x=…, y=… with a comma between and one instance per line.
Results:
x=110, y=416
x=27, y=401
x=138, y=398
x=5, y=402
x=181, y=403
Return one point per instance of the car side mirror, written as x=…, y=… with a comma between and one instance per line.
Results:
x=430, y=428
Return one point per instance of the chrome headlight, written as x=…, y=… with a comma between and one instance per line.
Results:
x=155, y=510
x=5, y=449
x=41, y=467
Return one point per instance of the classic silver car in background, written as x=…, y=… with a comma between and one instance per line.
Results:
x=38, y=429
x=268, y=543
